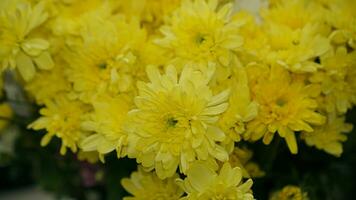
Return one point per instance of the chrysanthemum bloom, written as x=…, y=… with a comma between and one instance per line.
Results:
x=68, y=17
x=20, y=48
x=294, y=40
x=341, y=17
x=147, y=186
x=107, y=123
x=47, y=84
x=290, y=192
x=5, y=115
x=174, y=123
x=337, y=80
x=241, y=157
x=110, y=59
x=203, y=183
x=330, y=136
x=240, y=111
x=199, y=32
x=286, y=105
x=152, y=13
x=61, y=118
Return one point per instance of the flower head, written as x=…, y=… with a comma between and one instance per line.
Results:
x=110, y=60
x=147, y=186
x=107, y=123
x=203, y=183
x=174, y=123
x=19, y=48
x=241, y=109
x=200, y=32
x=330, y=136
x=286, y=105
x=61, y=118
x=290, y=192
x=241, y=157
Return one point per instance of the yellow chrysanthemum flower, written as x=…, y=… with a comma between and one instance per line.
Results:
x=5, y=115
x=286, y=105
x=203, y=183
x=290, y=192
x=294, y=40
x=107, y=123
x=69, y=16
x=20, y=48
x=199, y=32
x=61, y=118
x=110, y=60
x=338, y=80
x=147, y=186
x=329, y=137
x=241, y=109
x=152, y=13
x=47, y=84
x=241, y=157
x=174, y=123
x=340, y=15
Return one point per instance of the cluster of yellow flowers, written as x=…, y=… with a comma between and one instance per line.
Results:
x=177, y=84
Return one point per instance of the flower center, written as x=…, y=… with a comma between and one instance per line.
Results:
x=171, y=122
x=200, y=39
x=281, y=102
x=102, y=65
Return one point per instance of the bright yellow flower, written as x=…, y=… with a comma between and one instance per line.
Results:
x=147, y=186
x=5, y=115
x=287, y=12
x=106, y=123
x=241, y=157
x=294, y=40
x=152, y=13
x=338, y=80
x=47, y=84
x=110, y=60
x=203, y=183
x=200, y=32
x=241, y=109
x=340, y=15
x=329, y=137
x=69, y=16
x=286, y=105
x=290, y=192
x=19, y=47
x=174, y=123
x=61, y=118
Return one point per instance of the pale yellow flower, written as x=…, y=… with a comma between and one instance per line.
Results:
x=147, y=186
x=200, y=32
x=241, y=157
x=106, y=123
x=330, y=136
x=61, y=117
x=19, y=47
x=290, y=192
x=203, y=183
x=241, y=109
x=174, y=123
x=338, y=80
x=286, y=105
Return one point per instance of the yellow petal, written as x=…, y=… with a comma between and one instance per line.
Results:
x=25, y=66
x=44, y=61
